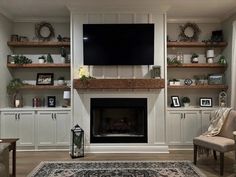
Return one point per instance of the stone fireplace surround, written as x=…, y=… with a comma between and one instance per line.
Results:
x=155, y=121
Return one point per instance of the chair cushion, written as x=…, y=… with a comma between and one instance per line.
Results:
x=217, y=143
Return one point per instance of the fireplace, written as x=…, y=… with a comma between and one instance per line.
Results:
x=118, y=120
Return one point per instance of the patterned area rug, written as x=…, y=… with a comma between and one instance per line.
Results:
x=116, y=169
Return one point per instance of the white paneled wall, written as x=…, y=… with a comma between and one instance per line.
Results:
x=156, y=98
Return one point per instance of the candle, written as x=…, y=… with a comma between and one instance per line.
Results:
x=17, y=103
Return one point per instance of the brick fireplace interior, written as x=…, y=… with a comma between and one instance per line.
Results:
x=118, y=120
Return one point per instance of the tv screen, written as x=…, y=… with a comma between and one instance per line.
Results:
x=118, y=44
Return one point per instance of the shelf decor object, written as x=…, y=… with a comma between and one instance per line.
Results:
x=223, y=99
x=175, y=101
x=51, y=100
x=44, y=31
x=210, y=56
x=205, y=102
x=77, y=143
x=189, y=32
x=44, y=79
x=66, y=97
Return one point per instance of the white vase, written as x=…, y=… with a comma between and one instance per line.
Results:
x=62, y=60
x=60, y=82
x=41, y=60
x=186, y=104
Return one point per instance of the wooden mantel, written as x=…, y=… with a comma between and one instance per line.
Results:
x=119, y=84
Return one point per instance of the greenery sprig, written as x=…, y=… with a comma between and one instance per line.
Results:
x=20, y=59
x=14, y=85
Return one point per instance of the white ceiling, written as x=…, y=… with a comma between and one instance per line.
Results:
x=176, y=9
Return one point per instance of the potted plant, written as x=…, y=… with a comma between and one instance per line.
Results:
x=63, y=54
x=185, y=101
x=42, y=59
x=194, y=58
x=174, y=82
x=61, y=80
x=222, y=60
x=12, y=90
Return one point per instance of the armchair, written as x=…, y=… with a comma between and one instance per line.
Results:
x=223, y=142
x=4, y=160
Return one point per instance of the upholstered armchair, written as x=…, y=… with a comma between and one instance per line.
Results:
x=223, y=142
x=4, y=160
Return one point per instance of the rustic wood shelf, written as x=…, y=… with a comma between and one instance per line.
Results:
x=197, y=44
x=38, y=44
x=43, y=87
x=198, y=87
x=36, y=65
x=119, y=84
x=198, y=65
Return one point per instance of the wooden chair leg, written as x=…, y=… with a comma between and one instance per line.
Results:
x=214, y=153
x=221, y=164
x=195, y=154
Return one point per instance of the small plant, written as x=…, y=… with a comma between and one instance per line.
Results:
x=42, y=57
x=185, y=100
x=49, y=58
x=63, y=52
x=194, y=58
x=173, y=61
x=222, y=60
x=13, y=86
x=20, y=59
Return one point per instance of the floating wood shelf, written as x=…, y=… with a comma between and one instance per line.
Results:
x=119, y=84
x=38, y=44
x=198, y=65
x=199, y=87
x=36, y=65
x=43, y=87
x=197, y=44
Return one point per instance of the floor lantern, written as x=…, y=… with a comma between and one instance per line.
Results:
x=77, y=142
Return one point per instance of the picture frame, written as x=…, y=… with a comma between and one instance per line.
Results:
x=175, y=101
x=205, y=102
x=45, y=79
x=51, y=101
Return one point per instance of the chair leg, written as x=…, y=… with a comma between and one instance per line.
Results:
x=221, y=163
x=214, y=153
x=195, y=154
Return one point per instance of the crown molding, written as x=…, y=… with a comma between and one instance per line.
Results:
x=195, y=20
x=6, y=13
x=39, y=19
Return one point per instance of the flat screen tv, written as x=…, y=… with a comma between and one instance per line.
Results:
x=118, y=44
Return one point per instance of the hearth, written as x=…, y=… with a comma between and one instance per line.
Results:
x=118, y=120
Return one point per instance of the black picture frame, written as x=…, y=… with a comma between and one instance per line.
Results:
x=205, y=102
x=51, y=101
x=175, y=102
x=45, y=79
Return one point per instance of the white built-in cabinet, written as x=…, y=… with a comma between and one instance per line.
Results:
x=17, y=124
x=37, y=128
x=53, y=128
x=182, y=126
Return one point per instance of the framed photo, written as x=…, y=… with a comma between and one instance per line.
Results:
x=51, y=101
x=205, y=102
x=175, y=101
x=44, y=79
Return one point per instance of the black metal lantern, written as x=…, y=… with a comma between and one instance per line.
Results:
x=77, y=142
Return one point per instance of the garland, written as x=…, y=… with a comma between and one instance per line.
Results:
x=196, y=32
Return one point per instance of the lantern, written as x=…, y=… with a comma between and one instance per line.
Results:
x=77, y=142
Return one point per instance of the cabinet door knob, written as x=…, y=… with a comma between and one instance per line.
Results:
x=55, y=116
x=18, y=116
x=52, y=115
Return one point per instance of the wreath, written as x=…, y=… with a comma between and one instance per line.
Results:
x=192, y=37
x=38, y=31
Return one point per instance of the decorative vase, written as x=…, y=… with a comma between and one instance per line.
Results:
x=60, y=82
x=195, y=60
x=186, y=104
x=41, y=60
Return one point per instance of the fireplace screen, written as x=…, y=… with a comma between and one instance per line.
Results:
x=118, y=120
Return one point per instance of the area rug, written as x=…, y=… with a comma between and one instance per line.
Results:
x=116, y=169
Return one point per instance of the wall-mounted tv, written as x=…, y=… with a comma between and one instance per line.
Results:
x=118, y=44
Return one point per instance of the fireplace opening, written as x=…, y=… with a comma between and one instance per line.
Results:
x=118, y=120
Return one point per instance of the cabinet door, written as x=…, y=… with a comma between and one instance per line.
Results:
x=9, y=128
x=174, y=127
x=205, y=120
x=26, y=128
x=62, y=128
x=46, y=130
x=191, y=126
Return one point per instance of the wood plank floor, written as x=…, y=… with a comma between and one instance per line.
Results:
x=27, y=161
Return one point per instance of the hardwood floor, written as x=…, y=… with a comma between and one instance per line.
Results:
x=27, y=161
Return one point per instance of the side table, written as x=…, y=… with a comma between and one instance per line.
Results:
x=12, y=147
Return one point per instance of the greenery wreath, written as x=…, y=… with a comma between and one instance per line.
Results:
x=195, y=32
x=38, y=31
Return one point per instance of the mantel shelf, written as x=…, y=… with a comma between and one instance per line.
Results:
x=38, y=44
x=198, y=87
x=197, y=44
x=36, y=65
x=198, y=65
x=44, y=87
x=119, y=84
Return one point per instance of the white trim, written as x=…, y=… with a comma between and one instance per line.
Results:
x=233, y=65
x=126, y=149
x=39, y=19
x=195, y=20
